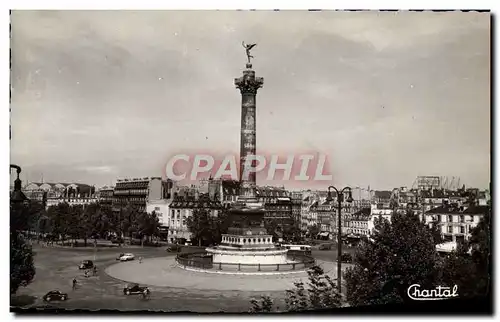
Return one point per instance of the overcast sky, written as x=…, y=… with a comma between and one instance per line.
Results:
x=387, y=96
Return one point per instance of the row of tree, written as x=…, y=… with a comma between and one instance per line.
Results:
x=22, y=268
x=401, y=253
x=64, y=221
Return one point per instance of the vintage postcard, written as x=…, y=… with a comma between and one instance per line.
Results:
x=250, y=161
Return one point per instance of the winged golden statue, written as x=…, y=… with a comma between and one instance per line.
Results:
x=248, y=47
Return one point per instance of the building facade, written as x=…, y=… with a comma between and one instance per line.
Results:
x=278, y=205
x=51, y=194
x=229, y=192
x=105, y=196
x=138, y=191
x=308, y=214
x=296, y=198
x=181, y=208
x=456, y=221
x=360, y=225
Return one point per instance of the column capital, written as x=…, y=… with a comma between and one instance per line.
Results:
x=248, y=83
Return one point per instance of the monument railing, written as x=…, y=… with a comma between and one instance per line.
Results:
x=202, y=260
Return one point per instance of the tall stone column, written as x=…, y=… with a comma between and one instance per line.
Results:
x=248, y=85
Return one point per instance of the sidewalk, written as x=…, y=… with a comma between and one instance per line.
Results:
x=90, y=245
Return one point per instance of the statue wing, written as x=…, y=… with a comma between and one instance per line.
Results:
x=251, y=46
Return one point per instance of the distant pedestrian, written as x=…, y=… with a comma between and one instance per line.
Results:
x=86, y=273
x=74, y=284
x=140, y=260
x=95, y=270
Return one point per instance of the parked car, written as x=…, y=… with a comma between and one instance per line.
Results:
x=135, y=289
x=86, y=264
x=127, y=257
x=325, y=247
x=55, y=296
x=346, y=258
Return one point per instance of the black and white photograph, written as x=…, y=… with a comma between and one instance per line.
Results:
x=250, y=161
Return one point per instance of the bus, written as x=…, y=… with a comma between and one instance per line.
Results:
x=298, y=249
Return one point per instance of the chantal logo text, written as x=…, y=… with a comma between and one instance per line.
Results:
x=439, y=293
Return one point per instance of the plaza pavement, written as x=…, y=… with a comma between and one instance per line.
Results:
x=164, y=272
x=56, y=267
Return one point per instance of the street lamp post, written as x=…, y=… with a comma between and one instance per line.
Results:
x=17, y=195
x=340, y=199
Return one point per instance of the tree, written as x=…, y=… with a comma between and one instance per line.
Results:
x=58, y=216
x=22, y=268
x=314, y=230
x=200, y=224
x=292, y=233
x=220, y=225
x=129, y=215
x=22, y=218
x=401, y=253
x=75, y=222
x=147, y=224
x=321, y=293
x=436, y=233
x=264, y=306
x=480, y=244
x=471, y=271
x=91, y=222
x=271, y=228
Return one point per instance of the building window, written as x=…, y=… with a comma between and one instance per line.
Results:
x=450, y=218
x=157, y=208
x=450, y=229
x=462, y=229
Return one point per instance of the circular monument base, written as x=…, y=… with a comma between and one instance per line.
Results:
x=250, y=256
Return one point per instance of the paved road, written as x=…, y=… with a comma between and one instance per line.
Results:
x=56, y=267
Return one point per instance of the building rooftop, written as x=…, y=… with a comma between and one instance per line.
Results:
x=451, y=209
x=189, y=202
x=271, y=192
x=362, y=214
x=383, y=194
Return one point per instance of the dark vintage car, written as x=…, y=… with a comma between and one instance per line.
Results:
x=55, y=296
x=346, y=258
x=86, y=264
x=135, y=289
